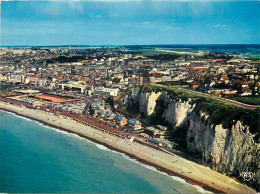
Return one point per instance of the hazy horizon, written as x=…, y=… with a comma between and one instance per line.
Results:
x=52, y=23
x=141, y=45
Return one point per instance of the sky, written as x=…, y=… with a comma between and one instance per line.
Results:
x=129, y=22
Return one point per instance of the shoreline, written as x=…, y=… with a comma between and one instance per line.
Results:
x=160, y=168
x=157, y=167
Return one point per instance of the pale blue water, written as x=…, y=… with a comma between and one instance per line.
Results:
x=36, y=158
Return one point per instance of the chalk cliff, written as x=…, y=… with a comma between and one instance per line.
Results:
x=227, y=150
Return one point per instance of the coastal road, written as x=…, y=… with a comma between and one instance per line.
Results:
x=225, y=100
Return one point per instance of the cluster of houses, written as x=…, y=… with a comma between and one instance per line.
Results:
x=223, y=86
x=98, y=110
x=110, y=71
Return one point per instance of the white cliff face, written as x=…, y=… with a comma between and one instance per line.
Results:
x=207, y=139
x=147, y=102
x=229, y=151
x=176, y=113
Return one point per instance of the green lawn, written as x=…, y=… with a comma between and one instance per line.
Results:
x=172, y=83
x=148, y=52
x=253, y=57
x=172, y=92
x=4, y=87
x=249, y=100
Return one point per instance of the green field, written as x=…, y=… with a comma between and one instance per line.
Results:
x=149, y=52
x=253, y=57
x=172, y=83
x=249, y=100
x=174, y=93
x=4, y=87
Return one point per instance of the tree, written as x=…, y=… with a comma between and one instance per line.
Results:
x=116, y=80
x=208, y=78
x=238, y=86
x=146, y=74
x=221, y=85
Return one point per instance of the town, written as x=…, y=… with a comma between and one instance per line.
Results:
x=83, y=83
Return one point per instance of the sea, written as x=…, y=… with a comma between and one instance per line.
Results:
x=35, y=158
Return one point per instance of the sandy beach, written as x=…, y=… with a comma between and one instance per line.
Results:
x=172, y=165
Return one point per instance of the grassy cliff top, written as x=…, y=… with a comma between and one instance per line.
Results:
x=219, y=112
x=170, y=91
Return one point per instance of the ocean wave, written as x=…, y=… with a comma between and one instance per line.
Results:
x=47, y=126
x=6, y=112
x=142, y=164
x=102, y=147
x=19, y=116
x=199, y=189
x=66, y=133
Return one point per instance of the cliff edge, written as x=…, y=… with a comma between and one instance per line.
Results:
x=226, y=137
